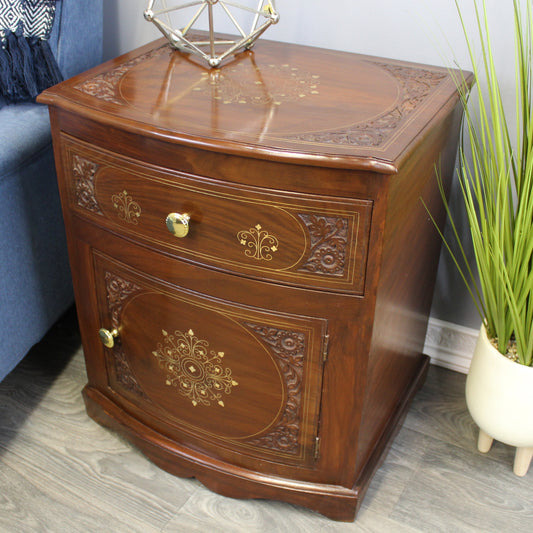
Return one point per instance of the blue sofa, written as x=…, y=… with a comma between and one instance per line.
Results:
x=35, y=281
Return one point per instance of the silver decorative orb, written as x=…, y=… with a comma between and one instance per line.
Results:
x=250, y=22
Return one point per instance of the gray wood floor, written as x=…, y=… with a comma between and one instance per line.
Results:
x=61, y=472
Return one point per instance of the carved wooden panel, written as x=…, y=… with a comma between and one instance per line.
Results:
x=301, y=240
x=118, y=290
x=200, y=365
x=329, y=244
x=83, y=174
x=289, y=349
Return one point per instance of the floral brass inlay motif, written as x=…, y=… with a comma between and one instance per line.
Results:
x=259, y=243
x=234, y=85
x=84, y=172
x=289, y=349
x=329, y=240
x=128, y=210
x=193, y=369
x=243, y=83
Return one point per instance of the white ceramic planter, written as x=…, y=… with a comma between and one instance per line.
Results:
x=499, y=396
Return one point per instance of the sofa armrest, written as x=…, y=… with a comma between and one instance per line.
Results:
x=76, y=38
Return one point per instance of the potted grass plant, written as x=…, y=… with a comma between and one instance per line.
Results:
x=495, y=176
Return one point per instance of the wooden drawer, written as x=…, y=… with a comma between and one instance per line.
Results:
x=302, y=240
x=214, y=375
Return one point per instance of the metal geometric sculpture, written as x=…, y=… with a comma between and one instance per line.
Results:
x=212, y=50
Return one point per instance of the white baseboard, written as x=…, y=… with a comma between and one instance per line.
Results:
x=450, y=345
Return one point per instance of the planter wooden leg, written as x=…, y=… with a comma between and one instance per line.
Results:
x=522, y=459
x=484, y=442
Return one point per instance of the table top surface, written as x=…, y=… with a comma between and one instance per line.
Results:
x=277, y=101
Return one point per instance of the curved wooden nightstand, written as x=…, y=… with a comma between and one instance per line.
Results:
x=252, y=242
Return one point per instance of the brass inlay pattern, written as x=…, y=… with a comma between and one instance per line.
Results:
x=233, y=85
x=237, y=84
x=128, y=210
x=193, y=369
x=259, y=243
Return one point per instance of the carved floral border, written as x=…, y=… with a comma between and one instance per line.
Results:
x=118, y=291
x=328, y=245
x=415, y=83
x=289, y=349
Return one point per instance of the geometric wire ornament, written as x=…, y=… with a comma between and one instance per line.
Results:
x=214, y=51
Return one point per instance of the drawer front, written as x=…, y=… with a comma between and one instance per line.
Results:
x=212, y=374
x=291, y=238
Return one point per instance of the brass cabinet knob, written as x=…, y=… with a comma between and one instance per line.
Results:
x=108, y=337
x=178, y=224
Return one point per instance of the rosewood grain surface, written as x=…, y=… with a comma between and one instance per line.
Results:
x=274, y=351
x=235, y=229
x=363, y=110
x=204, y=380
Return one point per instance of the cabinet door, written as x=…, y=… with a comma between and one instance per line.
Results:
x=216, y=375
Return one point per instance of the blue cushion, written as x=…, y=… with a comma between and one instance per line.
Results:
x=35, y=284
x=24, y=131
x=35, y=281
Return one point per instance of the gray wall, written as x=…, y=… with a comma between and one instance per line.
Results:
x=426, y=31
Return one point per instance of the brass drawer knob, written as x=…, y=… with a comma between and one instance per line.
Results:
x=108, y=337
x=178, y=224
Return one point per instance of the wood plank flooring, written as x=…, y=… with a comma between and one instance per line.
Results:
x=61, y=472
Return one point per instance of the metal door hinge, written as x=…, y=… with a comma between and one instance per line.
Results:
x=325, y=350
x=317, y=447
